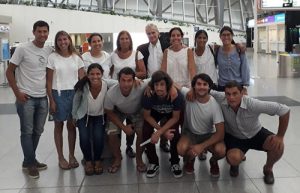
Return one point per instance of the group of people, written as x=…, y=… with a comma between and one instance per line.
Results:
x=194, y=98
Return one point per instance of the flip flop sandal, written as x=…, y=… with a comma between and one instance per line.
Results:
x=113, y=169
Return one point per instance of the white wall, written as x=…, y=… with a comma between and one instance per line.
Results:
x=74, y=21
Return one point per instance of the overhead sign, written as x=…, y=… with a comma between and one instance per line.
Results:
x=279, y=4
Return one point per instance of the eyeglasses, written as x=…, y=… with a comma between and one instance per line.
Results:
x=226, y=34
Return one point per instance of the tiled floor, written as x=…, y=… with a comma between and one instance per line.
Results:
x=287, y=171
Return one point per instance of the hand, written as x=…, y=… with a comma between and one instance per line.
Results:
x=128, y=130
x=190, y=96
x=275, y=142
x=195, y=150
x=74, y=122
x=245, y=91
x=22, y=97
x=169, y=134
x=241, y=47
x=148, y=91
x=52, y=107
x=138, y=82
x=155, y=137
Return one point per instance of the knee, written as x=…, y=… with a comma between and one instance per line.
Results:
x=234, y=157
x=220, y=150
x=181, y=148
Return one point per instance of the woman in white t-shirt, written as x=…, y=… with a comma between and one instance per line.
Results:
x=178, y=60
x=204, y=56
x=64, y=68
x=125, y=56
x=96, y=54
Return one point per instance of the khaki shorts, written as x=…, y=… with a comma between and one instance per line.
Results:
x=195, y=138
x=136, y=120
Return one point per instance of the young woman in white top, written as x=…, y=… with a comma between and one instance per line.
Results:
x=96, y=54
x=88, y=111
x=64, y=68
x=178, y=60
x=204, y=56
x=125, y=56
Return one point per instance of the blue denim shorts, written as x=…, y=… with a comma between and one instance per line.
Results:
x=64, y=103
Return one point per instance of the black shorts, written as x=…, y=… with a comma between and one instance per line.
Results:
x=244, y=145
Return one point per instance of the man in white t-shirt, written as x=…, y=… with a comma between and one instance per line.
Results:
x=123, y=101
x=203, y=126
x=26, y=75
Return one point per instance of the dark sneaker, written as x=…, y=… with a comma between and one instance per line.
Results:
x=165, y=147
x=189, y=166
x=202, y=156
x=33, y=172
x=39, y=166
x=152, y=171
x=234, y=171
x=214, y=168
x=268, y=177
x=130, y=152
x=176, y=170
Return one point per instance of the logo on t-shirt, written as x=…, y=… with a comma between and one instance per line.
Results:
x=42, y=61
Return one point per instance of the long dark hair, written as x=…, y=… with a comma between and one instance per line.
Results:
x=158, y=76
x=80, y=84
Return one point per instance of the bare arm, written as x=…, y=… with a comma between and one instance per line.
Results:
x=283, y=124
x=49, y=79
x=164, y=61
x=150, y=119
x=218, y=136
x=10, y=75
x=81, y=73
x=191, y=64
x=115, y=119
x=140, y=69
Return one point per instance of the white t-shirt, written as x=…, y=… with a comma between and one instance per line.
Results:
x=200, y=118
x=95, y=106
x=89, y=59
x=31, y=62
x=120, y=63
x=128, y=105
x=177, y=66
x=65, y=74
x=155, y=58
x=206, y=64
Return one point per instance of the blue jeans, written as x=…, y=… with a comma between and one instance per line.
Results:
x=91, y=136
x=32, y=114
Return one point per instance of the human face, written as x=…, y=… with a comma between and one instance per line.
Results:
x=234, y=97
x=160, y=88
x=201, y=40
x=63, y=42
x=153, y=35
x=96, y=43
x=124, y=41
x=41, y=34
x=201, y=88
x=95, y=77
x=176, y=37
x=226, y=37
x=126, y=83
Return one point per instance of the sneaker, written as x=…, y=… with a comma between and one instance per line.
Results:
x=39, y=166
x=130, y=152
x=152, y=171
x=214, y=168
x=202, y=156
x=268, y=177
x=234, y=171
x=176, y=170
x=189, y=167
x=33, y=172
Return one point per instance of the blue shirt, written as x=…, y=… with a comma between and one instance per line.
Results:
x=233, y=66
